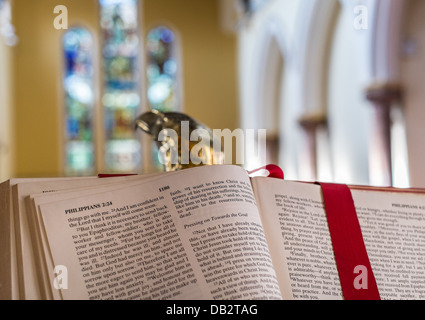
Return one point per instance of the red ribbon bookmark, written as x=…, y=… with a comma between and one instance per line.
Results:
x=349, y=249
x=273, y=170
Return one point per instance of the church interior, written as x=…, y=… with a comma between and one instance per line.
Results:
x=337, y=84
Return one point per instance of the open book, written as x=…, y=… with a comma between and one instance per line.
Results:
x=204, y=233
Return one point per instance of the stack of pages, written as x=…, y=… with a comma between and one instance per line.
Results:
x=210, y=232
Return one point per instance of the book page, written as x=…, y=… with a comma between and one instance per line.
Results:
x=27, y=277
x=28, y=286
x=7, y=274
x=295, y=222
x=10, y=269
x=44, y=265
x=393, y=228
x=194, y=235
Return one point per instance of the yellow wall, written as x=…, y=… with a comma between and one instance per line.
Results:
x=208, y=58
x=38, y=78
x=6, y=116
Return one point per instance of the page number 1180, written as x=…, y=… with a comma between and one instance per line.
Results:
x=162, y=189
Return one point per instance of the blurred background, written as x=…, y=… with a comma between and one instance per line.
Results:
x=336, y=83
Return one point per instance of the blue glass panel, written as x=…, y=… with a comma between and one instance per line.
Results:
x=80, y=156
x=79, y=99
x=121, y=97
x=162, y=69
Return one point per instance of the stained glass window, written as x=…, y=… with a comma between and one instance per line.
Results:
x=79, y=99
x=162, y=69
x=161, y=74
x=121, y=96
